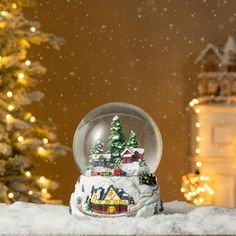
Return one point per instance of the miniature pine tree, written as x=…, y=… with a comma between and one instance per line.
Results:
x=132, y=142
x=97, y=147
x=117, y=139
x=117, y=164
x=23, y=137
x=158, y=208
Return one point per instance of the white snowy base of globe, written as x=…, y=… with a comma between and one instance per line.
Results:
x=146, y=197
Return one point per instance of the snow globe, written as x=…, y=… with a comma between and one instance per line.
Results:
x=117, y=148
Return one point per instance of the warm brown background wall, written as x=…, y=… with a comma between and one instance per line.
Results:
x=141, y=52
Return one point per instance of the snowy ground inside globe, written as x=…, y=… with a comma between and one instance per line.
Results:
x=178, y=218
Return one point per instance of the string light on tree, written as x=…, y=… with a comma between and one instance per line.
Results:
x=15, y=121
x=42, y=179
x=9, y=94
x=33, y=29
x=20, y=139
x=32, y=119
x=28, y=62
x=44, y=190
x=10, y=108
x=10, y=195
x=45, y=140
x=28, y=173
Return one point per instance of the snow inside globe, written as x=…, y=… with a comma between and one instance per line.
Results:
x=117, y=148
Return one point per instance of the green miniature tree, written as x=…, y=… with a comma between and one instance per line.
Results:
x=132, y=142
x=118, y=164
x=141, y=162
x=97, y=147
x=158, y=208
x=117, y=140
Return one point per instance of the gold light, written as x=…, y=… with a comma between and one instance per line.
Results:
x=45, y=140
x=198, y=110
x=197, y=150
x=20, y=139
x=14, y=5
x=8, y=117
x=44, y=190
x=28, y=62
x=21, y=76
x=32, y=119
x=198, y=139
x=42, y=179
x=3, y=13
x=41, y=150
x=28, y=173
x=10, y=107
x=198, y=164
x=33, y=29
x=30, y=192
x=10, y=195
x=182, y=190
x=198, y=124
x=9, y=94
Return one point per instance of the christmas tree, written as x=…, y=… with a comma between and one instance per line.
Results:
x=132, y=142
x=23, y=137
x=117, y=139
x=118, y=164
x=97, y=147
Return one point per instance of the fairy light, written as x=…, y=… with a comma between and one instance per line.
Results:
x=10, y=108
x=20, y=139
x=33, y=29
x=14, y=5
x=42, y=179
x=196, y=187
x=32, y=119
x=197, y=150
x=8, y=117
x=44, y=190
x=198, y=139
x=182, y=190
x=10, y=195
x=41, y=150
x=198, y=164
x=3, y=13
x=45, y=140
x=30, y=192
x=21, y=76
x=28, y=173
x=9, y=94
x=28, y=62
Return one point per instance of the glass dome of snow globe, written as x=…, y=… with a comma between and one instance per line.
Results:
x=113, y=127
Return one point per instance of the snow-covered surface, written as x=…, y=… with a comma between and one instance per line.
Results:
x=133, y=169
x=178, y=218
x=145, y=196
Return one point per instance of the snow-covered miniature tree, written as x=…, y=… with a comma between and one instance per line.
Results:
x=132, y=142
x=23, y=137
x=158, y=208
x=141, y=162
x=116, y=140
x=118, y=164
x=97, y=147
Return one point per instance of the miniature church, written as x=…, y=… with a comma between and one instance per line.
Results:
x=213, y=121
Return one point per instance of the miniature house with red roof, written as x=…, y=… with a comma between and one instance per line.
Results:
x=131, y=155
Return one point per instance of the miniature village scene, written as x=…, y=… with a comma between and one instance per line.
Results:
x=117, y=181
x=121, y=159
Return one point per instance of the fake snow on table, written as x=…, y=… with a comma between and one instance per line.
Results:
x=178, y=218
